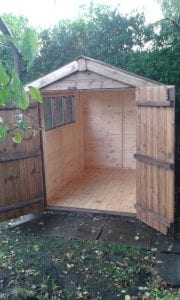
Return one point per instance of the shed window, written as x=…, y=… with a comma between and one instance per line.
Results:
x=58, y=111
x=68, y=110
x=58, y=102
x=48, y=113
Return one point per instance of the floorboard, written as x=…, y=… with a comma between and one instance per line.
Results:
x=99, y=189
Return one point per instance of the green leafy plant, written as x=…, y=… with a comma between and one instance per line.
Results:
x=12, y=91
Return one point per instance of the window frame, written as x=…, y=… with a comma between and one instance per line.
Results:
x=53, y=111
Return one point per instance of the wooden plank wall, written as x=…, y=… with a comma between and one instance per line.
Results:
x=155, y=139
x=109, y=128
x=21, y=179
x=85, y=80
x=63, y=152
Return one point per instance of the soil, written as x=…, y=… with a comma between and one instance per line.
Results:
x=45, y=266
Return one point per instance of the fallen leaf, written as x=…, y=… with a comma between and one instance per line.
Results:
x=68, y=255
x=70, y=266
x=153, y=249
x=170, y=247
x=41, y=223
x=36, y=247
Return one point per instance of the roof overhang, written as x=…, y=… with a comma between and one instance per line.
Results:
x=84, y=63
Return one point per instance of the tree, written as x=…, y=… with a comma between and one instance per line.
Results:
x=171, y=11
x=12, y=91
x=168, y=43
x=17, y=26
x=100, y=32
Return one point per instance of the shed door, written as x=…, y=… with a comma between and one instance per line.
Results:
x=21, y=180
x=155, y=157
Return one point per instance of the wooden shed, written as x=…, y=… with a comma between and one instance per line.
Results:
x=107, y=146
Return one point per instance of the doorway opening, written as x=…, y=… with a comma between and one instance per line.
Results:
x=89, y=162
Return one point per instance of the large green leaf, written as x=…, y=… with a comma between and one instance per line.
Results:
x=7, y=38
x=35, y=94
x=29, y=46
x=23, y=100
x=4, y=78
x=5, y=94
x=3, y=130
x=16, y=87
x=17, y=138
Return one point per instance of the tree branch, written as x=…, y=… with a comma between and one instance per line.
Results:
x=174, y=23
x=16, y=55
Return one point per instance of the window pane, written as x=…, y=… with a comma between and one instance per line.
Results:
x=73, y=109
x=47, y=113
x=59, y=111
x=69, y=115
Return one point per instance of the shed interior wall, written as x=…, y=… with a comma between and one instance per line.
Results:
x=109, y=128
x=103, y=137
x=63, y=152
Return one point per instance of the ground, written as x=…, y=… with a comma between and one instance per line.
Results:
x=35, y=264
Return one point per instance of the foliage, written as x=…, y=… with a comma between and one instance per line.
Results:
x=17, y=26
x=167, y=43
x=29, y=46
x=101, y=32
x=171, y=9
x=23, y=40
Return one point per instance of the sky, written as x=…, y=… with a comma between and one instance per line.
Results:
x=46, y=13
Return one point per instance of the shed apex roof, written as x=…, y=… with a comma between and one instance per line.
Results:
x=83, y=63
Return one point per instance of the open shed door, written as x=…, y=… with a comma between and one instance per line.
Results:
x=155, y=157
x=21, y=179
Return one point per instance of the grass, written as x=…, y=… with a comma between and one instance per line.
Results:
x=46, y=267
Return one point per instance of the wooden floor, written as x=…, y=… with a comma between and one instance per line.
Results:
x=112, y=190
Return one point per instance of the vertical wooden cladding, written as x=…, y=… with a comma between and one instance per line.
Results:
x=63, y=150
x=21, y=180
x=155, y=142
x=109, y=128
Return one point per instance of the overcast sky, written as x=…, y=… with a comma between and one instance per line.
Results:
x=45, y=13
